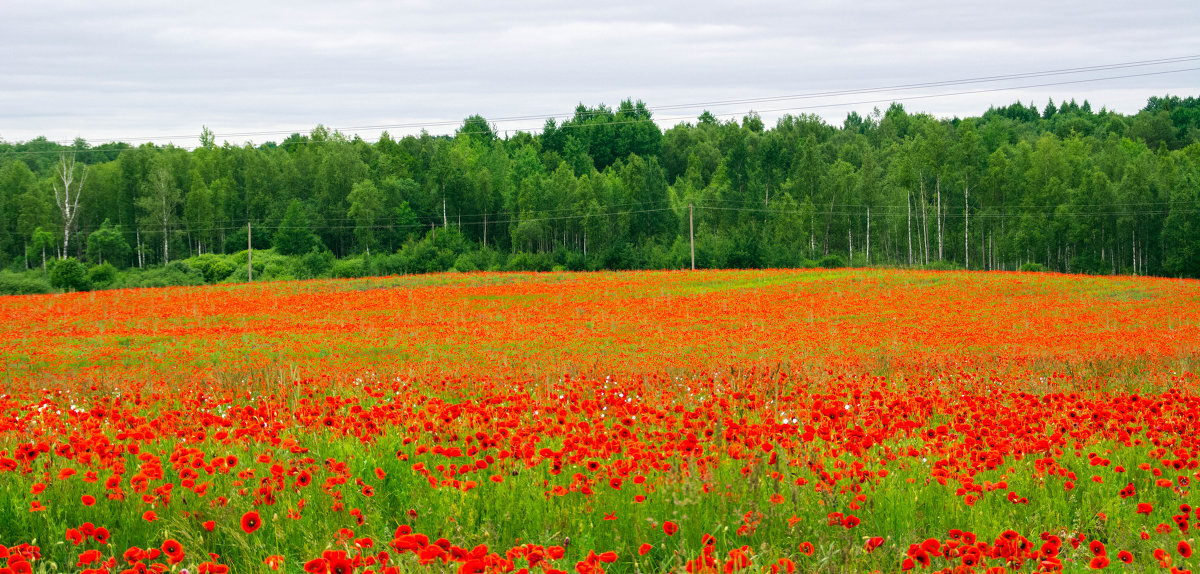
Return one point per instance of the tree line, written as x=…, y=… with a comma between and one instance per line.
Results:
x=1065, y=188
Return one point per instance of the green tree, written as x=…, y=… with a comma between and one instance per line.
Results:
x=1181, y=231
x=108, y=245
x=294, y=235
x=40, y=242
x=199, y=215
x=366, y=209
x=159, y=200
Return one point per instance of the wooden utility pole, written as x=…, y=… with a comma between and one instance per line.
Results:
x=692, y=236
x=868, y=235
x=908, y=200
x=967, y=222
x=939, y=217
x=249, y=253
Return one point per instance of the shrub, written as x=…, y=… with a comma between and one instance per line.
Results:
x=833, y=261
x=465, y=263
x=69, y=273
x=386, y=264
x=347, y=268
x=102, y=276
x=176, y=273
x=213, y=267
x=15, y=284
x=316, y=263
x=1033, y=267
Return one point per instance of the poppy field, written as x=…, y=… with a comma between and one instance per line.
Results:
x=710, y=421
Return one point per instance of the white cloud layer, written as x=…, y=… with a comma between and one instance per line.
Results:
x=124, y=70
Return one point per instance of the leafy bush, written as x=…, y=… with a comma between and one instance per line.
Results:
x=387, y=264
x=522, y=261
x=1033, y=267
x=102, y=276
x=832, y=261
x=465, y=263
x=176, y=273
x=69, y=273
x=213, y=267
x=316, y=263
x=348, y=268
x=15, y=284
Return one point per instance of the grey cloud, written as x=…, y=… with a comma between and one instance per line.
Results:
x=125, y=69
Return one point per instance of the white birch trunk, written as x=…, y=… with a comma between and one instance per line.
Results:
x=66, y=195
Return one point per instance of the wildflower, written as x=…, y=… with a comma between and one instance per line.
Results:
x=251, y=521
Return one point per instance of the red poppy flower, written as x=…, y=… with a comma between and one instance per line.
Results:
x=670, y=528
x=643, y=549
x=172, y=547
x=174, y=551
x=1184, y=549
x=341, y=566
x=1125, y=556
x=316, y=566
x=74, y=536
x=88, y=500
x=251, y=521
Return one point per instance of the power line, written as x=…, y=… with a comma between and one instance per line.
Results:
x=836, y=93
x=977, y=80
x=883, y=210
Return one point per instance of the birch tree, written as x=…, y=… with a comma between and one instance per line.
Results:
x=159, y=203
x=68, y=181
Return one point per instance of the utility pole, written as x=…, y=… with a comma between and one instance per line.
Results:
x=967, y=222
x=692, y=236
x=868, y=236
x=939, y=216
x=908, y=201
x=249, y=253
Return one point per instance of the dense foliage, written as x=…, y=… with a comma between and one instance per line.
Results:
x=1065, y=188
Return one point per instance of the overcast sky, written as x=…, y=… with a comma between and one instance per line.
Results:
x=124, y=70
